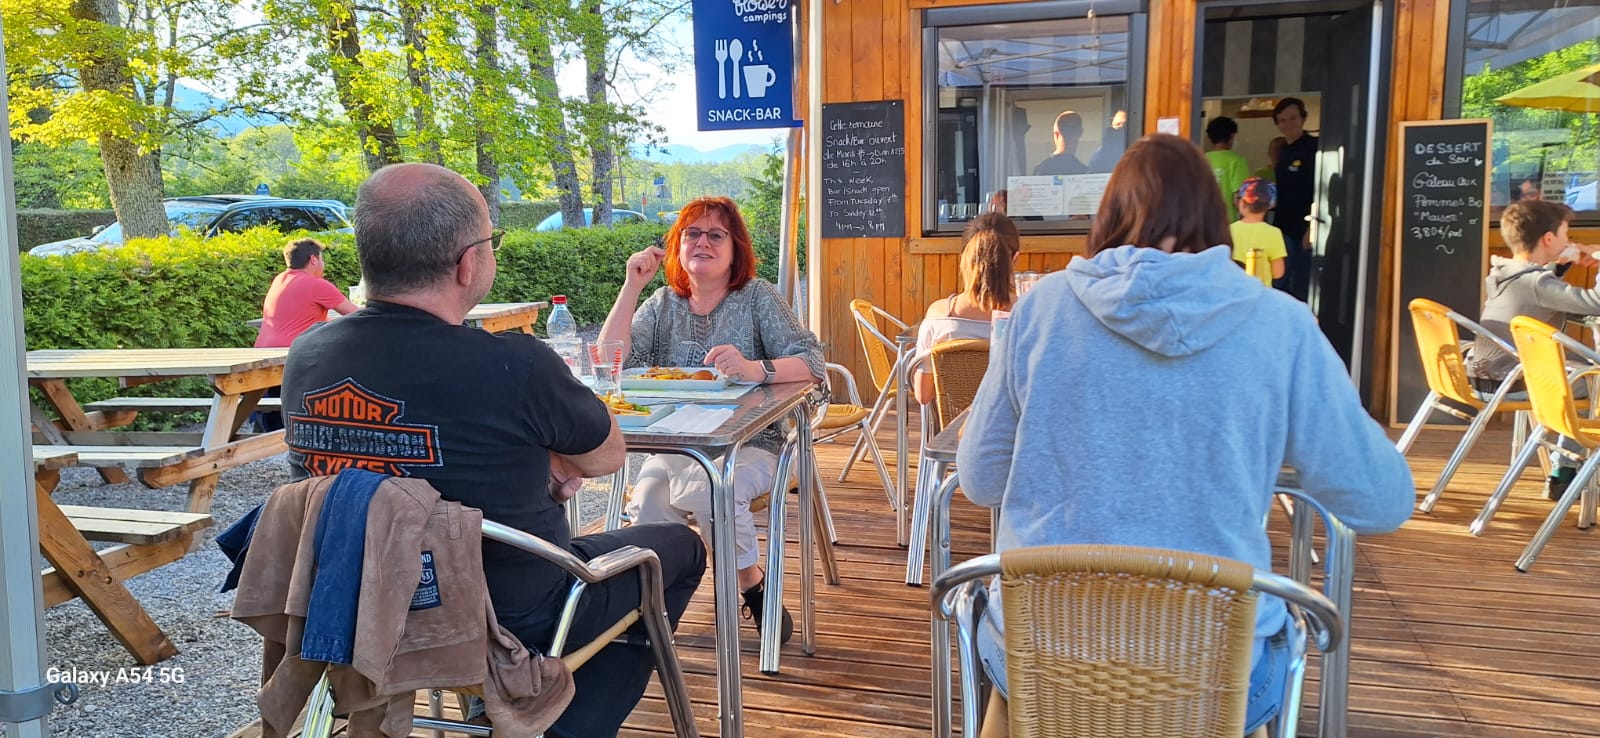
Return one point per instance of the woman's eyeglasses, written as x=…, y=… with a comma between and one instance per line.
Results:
x=493, y=241
x=716, y=236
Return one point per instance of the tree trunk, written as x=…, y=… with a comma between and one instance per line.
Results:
x=422, y=116
x=541, y=62
x=488, y=68
x=379, y=144
x=602, y=156
x=132, y=175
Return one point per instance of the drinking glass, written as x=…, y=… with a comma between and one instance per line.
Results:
x=605, y=357
x=571, y=351
x=358, y=294
x=1023, y=281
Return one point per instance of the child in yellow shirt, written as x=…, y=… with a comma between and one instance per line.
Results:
x=1252, y=231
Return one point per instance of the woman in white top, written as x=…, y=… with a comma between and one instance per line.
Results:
x=992, y=243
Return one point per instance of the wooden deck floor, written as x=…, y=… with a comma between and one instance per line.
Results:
x=1449, y=639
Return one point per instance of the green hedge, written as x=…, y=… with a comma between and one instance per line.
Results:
x=523, y=216
x=191, y=293
x=36, y=226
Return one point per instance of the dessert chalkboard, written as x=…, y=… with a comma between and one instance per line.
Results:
x=1443, y=228
x=864, y=170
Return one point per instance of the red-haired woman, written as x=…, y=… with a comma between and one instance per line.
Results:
x=713, y=312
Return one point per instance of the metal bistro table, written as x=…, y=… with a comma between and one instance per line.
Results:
x=756, y=409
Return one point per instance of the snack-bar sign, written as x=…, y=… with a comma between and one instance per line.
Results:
x=744, y=64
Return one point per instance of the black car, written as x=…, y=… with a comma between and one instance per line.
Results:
x=209, y=215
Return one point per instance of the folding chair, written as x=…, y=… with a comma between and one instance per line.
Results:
x=1444, y=366
x=652, y=610
x=1544, y=350
x=1118, y=640
x=877, y=329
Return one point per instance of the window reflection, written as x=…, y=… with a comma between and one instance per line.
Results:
x=1031, y=117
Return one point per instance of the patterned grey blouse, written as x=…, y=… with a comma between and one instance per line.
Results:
x=753, y=319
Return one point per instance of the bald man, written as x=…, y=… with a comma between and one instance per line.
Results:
x=1068, y=131
x=494, y=421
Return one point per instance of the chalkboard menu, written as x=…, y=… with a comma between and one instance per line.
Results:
x=1443, y=223
x=864, y=170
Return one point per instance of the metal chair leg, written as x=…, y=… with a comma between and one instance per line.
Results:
x=883, y=469
x=874, y=419
x=1546, y=531
x=928, y=477
x=1513, y=473
x=1415, y=426
x=1456, y=457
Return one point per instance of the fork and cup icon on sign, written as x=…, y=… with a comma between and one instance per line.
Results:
x=755, y=76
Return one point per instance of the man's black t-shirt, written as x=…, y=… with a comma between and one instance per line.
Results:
x=1297, y=184
x=398, y=391
x=1062, y=163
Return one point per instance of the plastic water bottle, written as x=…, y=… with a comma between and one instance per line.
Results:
x=564, y=336
x=561, y=325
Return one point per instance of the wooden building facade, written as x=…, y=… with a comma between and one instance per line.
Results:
x=1365, y=66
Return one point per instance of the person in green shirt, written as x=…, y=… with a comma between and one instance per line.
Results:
x=1274, y=149
x=1252, y=232
x=1230, y=168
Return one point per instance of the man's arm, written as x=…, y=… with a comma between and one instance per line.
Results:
x=346, y=307
x=608, y=457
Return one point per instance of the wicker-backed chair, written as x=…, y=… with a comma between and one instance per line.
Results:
x=1545, y=352
x=1450, y=389
x=1116, y=640
x=652, y=610
x=957, y=368
x=877, y=330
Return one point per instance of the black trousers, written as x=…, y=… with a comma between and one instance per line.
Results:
x=611, y=683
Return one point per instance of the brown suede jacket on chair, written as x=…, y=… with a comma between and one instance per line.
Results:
x=397, y=650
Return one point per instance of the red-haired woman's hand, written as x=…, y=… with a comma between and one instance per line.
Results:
x=642, y=266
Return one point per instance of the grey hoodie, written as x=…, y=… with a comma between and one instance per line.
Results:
x=1517, y=288
x=1149, y=399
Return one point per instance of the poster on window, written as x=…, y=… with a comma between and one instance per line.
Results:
x=1083, y=193
x=1041, y=196
x=1055, y=196
x=1553, y=187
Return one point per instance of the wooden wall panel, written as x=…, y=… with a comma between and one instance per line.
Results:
x=1169, y=71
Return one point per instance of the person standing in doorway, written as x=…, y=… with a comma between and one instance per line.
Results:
x=1112, y=144
x=1297, y=183
x=1064, y=160
x=1230, y=169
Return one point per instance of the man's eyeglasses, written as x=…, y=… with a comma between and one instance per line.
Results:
x=716, y=236
x=493, y=241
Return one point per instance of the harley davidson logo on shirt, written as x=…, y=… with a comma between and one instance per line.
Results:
x=346, y=425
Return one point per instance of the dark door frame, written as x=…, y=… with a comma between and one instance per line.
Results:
x=1363, y=345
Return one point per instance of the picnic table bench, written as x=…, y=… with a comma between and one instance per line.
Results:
x=147, y=538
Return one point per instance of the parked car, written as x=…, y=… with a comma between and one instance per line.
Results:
x=618, y=217
x=209, y=215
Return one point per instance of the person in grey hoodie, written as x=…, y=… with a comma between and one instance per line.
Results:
x=1149, y=396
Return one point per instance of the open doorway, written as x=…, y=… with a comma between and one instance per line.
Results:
x=1251, y=56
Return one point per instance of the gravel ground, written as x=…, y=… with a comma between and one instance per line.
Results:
x=218, y=661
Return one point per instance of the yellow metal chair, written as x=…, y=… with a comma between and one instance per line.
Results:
x=1450, y=389
x=958, y=367
x=1124, y=641
x=838, y=417
x=1545, y=351
x=877, y=330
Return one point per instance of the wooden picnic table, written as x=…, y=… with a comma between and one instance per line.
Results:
x=238, y=378
x=149, y=539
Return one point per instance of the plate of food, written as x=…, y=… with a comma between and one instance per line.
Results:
x=673, y=378
x=634, y=415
